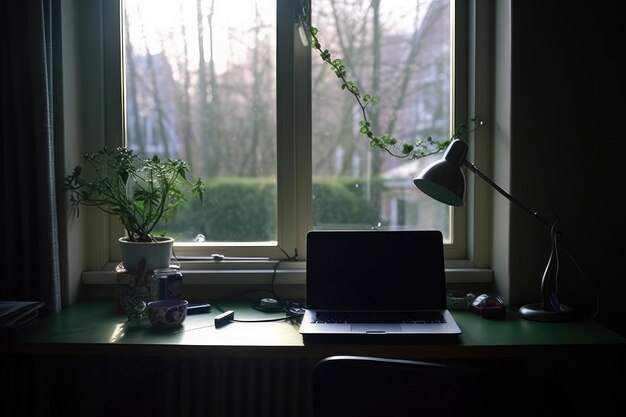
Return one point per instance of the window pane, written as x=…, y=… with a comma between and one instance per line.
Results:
x=200, y=85
x=399, y=51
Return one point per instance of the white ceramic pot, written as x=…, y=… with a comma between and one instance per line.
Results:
x=156, y=254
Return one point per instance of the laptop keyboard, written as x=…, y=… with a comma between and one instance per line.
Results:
x=379, y=317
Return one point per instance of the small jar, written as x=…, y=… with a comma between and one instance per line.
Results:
x=167, y=283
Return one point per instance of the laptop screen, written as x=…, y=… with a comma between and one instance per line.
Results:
x=375, y=270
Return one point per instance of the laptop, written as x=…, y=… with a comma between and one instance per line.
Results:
x=376, y=285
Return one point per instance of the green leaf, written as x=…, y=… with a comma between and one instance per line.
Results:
x=386, y=142
x=407, y=148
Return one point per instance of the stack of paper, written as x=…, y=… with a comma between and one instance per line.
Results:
x=15, y=313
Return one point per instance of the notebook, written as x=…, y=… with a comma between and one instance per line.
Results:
x=373, y=285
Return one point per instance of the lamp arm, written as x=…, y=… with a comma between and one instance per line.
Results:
x=550, y=308
x=508, y=196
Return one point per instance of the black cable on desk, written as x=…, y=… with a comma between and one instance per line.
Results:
x=288, y=317
x=291, y=313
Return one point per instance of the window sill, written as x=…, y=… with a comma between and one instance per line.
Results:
x=262, y=271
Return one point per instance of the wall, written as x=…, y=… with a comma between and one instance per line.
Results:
x=69, y=118
x=82, y=116
x=566, y=151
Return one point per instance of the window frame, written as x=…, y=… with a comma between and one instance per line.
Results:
x=466, y=259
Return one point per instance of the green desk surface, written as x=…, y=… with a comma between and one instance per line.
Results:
x=92, y=327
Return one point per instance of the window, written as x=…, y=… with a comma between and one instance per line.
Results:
x=398, y=51
x=267, y=125
x=200, y=81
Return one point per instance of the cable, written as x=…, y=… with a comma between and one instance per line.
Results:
x=229, y=317
x=288, y=317
x=584, y=278
x=292, y=309
x=556, y=235
x=287, y=258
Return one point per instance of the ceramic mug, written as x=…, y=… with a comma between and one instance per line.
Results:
x=167, y=313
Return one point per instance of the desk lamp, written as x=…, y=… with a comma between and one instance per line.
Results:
x=443, y=180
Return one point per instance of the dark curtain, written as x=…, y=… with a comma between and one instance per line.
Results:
x=28, y=214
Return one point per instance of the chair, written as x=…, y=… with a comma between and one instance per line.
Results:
x=371, y=386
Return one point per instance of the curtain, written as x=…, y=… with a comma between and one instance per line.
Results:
x=28, y=213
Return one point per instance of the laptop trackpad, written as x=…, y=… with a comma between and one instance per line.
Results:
x=376, y=328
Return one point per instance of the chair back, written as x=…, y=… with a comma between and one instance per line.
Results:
x=372, y=386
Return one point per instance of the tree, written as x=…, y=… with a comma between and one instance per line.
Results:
x=378, y=53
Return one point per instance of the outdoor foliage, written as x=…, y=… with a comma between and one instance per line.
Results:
x=249, y=205
x=202, y=88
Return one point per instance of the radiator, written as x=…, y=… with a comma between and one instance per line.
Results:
x=157, y=386
x=246, y=387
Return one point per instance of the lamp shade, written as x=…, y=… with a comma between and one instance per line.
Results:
x=443, y=179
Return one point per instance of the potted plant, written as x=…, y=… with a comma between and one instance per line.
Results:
x=140, y=192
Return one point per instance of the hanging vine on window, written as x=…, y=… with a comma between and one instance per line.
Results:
x=415, y=149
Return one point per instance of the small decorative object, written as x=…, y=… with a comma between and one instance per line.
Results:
x=135, y=304
x=459, y=300
x=132, y=291
x=167, y=313
x=488, y=305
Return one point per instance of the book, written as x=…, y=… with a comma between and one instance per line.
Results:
x=16, y=313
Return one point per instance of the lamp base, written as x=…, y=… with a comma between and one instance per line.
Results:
x=538, y=312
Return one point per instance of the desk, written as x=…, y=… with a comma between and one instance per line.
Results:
x=92, y=327
x=88, y=340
